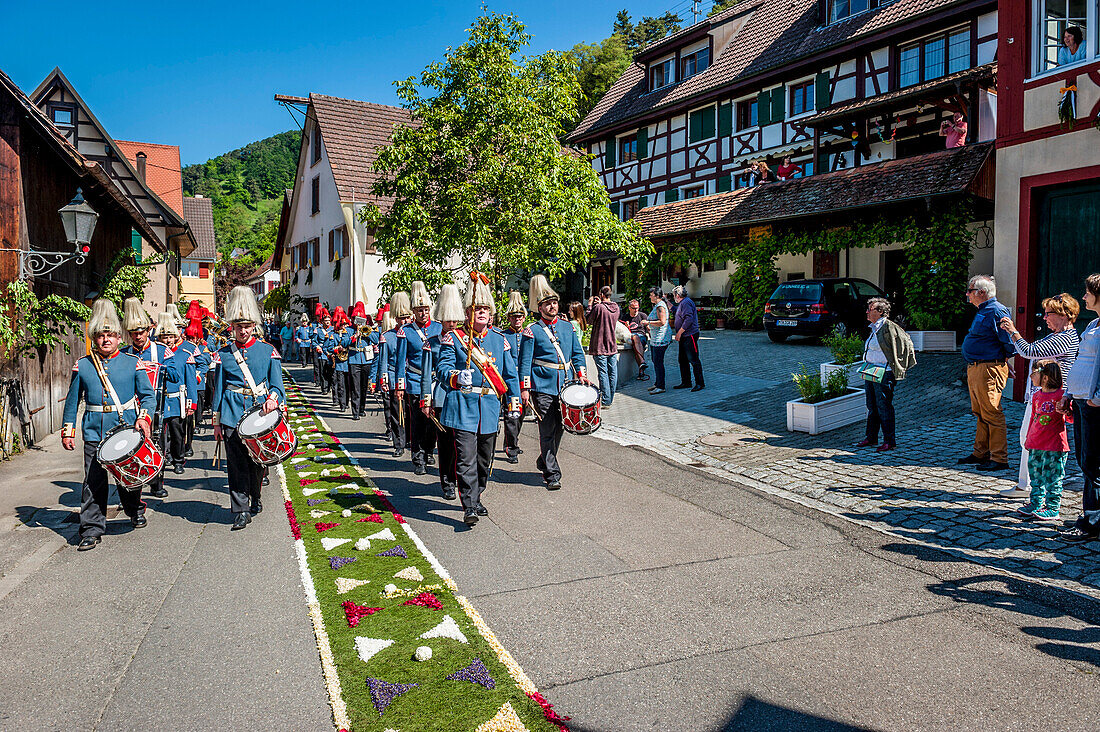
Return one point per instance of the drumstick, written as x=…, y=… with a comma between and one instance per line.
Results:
x=217, y=454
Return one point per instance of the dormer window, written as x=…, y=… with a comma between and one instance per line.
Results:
x=662, y=73
x=694, y=63
x=837, y=10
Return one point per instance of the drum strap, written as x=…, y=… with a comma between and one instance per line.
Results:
x=244, y=370
x=108, y=387
x=566, y=364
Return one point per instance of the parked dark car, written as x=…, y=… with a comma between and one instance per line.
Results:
x=816, y=307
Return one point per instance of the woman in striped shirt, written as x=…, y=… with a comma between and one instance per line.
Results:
x=1061, y=344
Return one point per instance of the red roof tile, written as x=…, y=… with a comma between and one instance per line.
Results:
x=199, y=214
x=162, y=170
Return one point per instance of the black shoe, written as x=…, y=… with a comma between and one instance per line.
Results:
x=481, y=510
x=698, y=387
x=240, y=520
x=449, y=492
x=971, y=460
x=469, y=516
x=419, y=469
x=511, y=458
x=88, y=542
x=177, y=468
x=518, y=451
x=682, y=386
x=265, y=481
x=138, y=520
x=256, y=507
x=430, y=460
x=159, y=492
x=1076, y=536
x=388, y=437
x=398, y=451
x=190, y=453
x=355, y=418
x=989, y=467
x=553, y=485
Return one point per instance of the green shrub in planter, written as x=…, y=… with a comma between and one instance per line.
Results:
x=846, y=348
x=811, y=389
x=918, y=320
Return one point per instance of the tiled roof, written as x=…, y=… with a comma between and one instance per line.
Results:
x=352, y=132
x=262, y=270
x=199, y=214
x=774, y=33
x=162, y=170
x=932, y=174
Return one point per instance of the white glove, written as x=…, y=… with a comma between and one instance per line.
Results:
x=465, y=377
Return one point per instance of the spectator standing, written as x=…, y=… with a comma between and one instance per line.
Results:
x=986, y=348
x=639, y=336
x=660, y=336
x=1061, y=344
x=1046, y=442
x=766, y=173
x=575, y=315
x=1083, y=397
x=286, y=340
x=686, y=323
x=889, y=352
x=788, y=170
x=603, y=314
x=954, y=131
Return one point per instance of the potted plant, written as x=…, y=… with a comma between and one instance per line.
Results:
x=847, y=349
x=823, y=406
x=928, y=333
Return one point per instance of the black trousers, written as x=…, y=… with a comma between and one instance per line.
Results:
x=326, y=377
x=399, y=424
x=551, y=430
x=1086, y=446
x=318, y=378
x=95, y=493
x=512, y=426
x=422, y=433
x=388, y=413
x=689, y=360
x=208, y=394
x=358, y=387
x=340, y=389
x=177, y=439
x=245, y=475
x=189, y=430
x=448, y=458
x=474, y=459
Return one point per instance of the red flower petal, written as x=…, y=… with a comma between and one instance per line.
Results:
x=425, y=599
x=322, y=526
x=354, y=612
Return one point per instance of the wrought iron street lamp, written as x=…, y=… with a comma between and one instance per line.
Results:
x=79, y=220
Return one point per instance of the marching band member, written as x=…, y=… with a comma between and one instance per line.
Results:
x=448, y=313
x=412, y=341
x=185, y=343
x=105, y=380
x=471, y=407
x=361, y=353
x=301, y=339
x=336, y=346
x=383, y=376
x=315, y=339
x=399, y=419
x=249, y=370
x=549, y=351
x=203, y=363
x=513, y=331
x=154, y=358
x=179, y=402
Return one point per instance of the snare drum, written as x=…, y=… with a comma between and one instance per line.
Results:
x=133, y=460
x=580, y=407
x=268, y=437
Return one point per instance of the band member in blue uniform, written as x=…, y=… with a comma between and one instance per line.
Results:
x=550, y=354
x=322, y=363
x=471, y=407
x=155, y=358
x=361, y=352
x=315, y=339
x=180, y=400
x=233, y=396
x=301, y=339
x=384, y=376
x=203, y=362
x=335, y=348
x=194, y=387
x=412, y=342
x=513, y=331
x=94, y=378
x=448, y=313
x=401, y=311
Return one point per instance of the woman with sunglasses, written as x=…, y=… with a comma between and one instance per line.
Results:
x=1061, y=344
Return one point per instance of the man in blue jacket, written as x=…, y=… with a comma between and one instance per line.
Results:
x=412, y=342
x=180, y=400
x=986, y=349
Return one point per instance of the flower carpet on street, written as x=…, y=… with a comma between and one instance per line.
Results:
x=400, y=649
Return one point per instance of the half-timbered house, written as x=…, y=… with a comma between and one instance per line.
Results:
x=63, y=106
x=197, y=269
x=853, y=92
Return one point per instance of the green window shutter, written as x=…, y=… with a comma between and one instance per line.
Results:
x=725, y=183
x=763, y=108
x=695, y=126
x=779, y=104
x=822, y=98
x=615, y=206
x=643, y=143
x=672, y=194
x=135, y=244
x=609, y=153
x=707, y=125
x=643, y=201
x=725, y=120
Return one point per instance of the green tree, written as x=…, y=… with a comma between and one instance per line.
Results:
x=646, y=31
x=598, y=66
x=482, y=181
x=720, y=5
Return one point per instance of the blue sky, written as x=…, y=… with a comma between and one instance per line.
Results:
x=201, y=75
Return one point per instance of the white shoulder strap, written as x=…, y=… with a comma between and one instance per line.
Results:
x=107, y=384
x=557, y=346
x=244, y=370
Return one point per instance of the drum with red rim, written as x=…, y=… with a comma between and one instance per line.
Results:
x=580, y=407
x=267, y=437
x=133, y=460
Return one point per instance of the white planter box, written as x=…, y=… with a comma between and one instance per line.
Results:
x=854, y=379
x=827, y=415
x=925, y=341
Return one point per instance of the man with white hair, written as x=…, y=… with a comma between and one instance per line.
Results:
x=986, y=349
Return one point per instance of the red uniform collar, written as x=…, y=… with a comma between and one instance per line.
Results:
x=550, y=322
x=248, y=344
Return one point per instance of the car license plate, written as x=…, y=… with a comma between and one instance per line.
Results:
x=787, y=323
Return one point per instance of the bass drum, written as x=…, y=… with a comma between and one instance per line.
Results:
x=133, y=460
x=267, y=437
x=580, y=407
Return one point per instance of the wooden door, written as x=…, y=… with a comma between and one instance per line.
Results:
x=1069, y=243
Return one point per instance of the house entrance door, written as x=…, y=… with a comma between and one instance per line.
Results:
x=1069, y=244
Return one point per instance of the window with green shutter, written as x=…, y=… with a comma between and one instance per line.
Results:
x=643, y=143
x=763, y=108
x=725, y=183
x=135, y=244
x=609, y=153
x=672, y=194
x=615, y=208
x=701, y=124
x=822, y=97
x=779, y=105
x=725, y=120
x=643, y=201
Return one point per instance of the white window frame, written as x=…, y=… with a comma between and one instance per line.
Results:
x=185, y=266
x=690, y=51
x=750, y=98
x=1037, y=34
x=813, y=99
x=670, y=79
x=702, y=188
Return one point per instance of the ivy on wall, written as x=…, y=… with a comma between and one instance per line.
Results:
x=29, y=326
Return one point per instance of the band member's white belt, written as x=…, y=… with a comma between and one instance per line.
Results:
x=480, y=390
x=261, y=388
x=132, y=404
x=550, y=364
x=413, y=370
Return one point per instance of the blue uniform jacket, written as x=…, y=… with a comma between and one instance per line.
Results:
x=432, y=392
x=184, y=393
x=232, y=398
x=539, y=366
x=212, y=341
x=363, y=350
x=412, y=341
x=386, y=367
x=203, y=362
x=131, y=384
x=320, y=333
x=467, y=408
x=302, y=336
x=515, y=340
x=157, y=353
x=332, y=340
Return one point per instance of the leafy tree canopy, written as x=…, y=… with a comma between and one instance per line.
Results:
x=481, y=180
x=638, y=35
x=720, y=5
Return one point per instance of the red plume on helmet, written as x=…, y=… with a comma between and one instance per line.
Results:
x=195, y=311
x=359, y=311
x=382, y=311
x=319, y=312
x=339, y=317
x=194, y=329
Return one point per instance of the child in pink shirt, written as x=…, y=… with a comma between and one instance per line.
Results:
x=1046, y=443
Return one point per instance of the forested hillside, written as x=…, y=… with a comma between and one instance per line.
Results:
x=247, y=187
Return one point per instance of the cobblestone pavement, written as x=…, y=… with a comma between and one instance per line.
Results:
x=915, y=492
